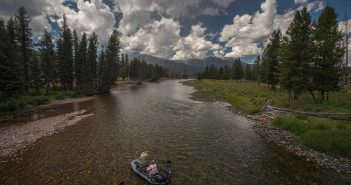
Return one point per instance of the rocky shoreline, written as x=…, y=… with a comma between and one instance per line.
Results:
x=16, y=138
x=283, y=138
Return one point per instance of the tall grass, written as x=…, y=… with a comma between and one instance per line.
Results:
x=330, y=136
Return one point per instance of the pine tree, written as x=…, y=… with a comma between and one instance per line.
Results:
x=285, y=68
x=213, y=72
x=297, y=54
x=226, y=73
x=109, y=69
x=271, y=56
x=35, y=72
x=256, y=69
x=101, y=68
x=248, y=72
x=329, y=53
x=24, y=41
x=91, y=61
x=81, y=65
x=65, y=65
x=76, y=56
x=11, y=31
x=238, y=70
x=220, y=74
x=263, y=67
x=134, y=69
x=11, y=81
x=47, y=56
x=142, y=70
x=124, y=65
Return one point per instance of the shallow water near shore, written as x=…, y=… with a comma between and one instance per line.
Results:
x=206, y=143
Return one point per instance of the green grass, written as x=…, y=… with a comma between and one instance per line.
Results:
x=250, y=97
x=329, y=136
x=26, y=103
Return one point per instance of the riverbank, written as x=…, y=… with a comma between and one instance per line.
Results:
x=15, y=138
x=28, y=104
x=210, y=91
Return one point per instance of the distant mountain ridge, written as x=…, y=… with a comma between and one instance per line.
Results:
x=191, y=66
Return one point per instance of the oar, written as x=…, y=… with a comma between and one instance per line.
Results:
x=167, y=162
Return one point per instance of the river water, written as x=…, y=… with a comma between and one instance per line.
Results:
x=206, y=143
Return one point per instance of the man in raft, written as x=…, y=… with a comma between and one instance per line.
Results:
x=143, y=159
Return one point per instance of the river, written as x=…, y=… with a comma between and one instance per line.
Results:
x=206, y=143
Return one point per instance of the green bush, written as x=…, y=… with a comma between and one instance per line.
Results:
x=35, y=100
x=25, y=103
x=11, y=105
x=60, y=96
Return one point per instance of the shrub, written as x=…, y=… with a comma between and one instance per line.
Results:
x=12, y=105
x=60, y=96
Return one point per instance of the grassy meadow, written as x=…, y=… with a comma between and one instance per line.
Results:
x=250, y=97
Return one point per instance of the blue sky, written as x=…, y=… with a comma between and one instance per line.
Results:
x=181, y=29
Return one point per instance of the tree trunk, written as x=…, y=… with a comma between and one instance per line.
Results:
x=274, y=88
x=289, y=95
x=314, y=98
x=47, y=88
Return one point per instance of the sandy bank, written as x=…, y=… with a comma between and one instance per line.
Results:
x=16, y=137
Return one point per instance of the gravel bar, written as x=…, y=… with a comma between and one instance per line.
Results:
x=15, y=138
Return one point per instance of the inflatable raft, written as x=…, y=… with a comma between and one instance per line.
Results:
x=161, y=178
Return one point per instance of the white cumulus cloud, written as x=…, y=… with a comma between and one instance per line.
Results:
x=300, y=1
x=152, y=27
x=93, y=15
x=246, y=35
x=194, y=45
x=248, y=31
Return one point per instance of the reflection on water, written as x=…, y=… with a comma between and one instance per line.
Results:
x=206, y=143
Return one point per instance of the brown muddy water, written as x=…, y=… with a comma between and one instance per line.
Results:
x=207, y=144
